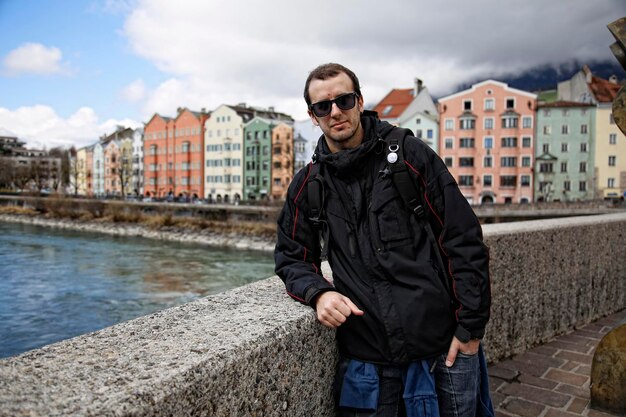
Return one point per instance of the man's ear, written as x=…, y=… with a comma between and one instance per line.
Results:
x=360, y=104
x=313, y=118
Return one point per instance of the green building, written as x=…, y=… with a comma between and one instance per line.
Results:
x=257, y=158
x=564, y=160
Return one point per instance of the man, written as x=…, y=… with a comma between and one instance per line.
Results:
x=401, y=333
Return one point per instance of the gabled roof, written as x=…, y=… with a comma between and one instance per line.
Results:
x=247, y=113
x=394, y=103
x=495, y=83
x=603, y=90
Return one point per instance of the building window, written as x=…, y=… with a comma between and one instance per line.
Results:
x=526, y=161
x=300, y=147
x=547, y=130
x=610, y=183
x=449, y=124
x=487, y=180
x=546, y=112
x=582, y=167
x=565, y=129
x=510, y=103
x=466, y=162
x=526, y=142
x=448, y=161
x=563, y=166
x=583, y=147
x=564, y=147
x=466, y=180
x=488, y=142
x=490, y=104
x=488, y=123
x=467, y=123
x=508, y=181
x=508, y=161
x=525, y=180
x=612, y=159
x=582, y=186
x=429, y=134
x=466, y=142
x=545, y=167
x=565, y=112
x=527, y=122
x=487, y=161
x=612, y=139
x=449, y=143
x=509, y=142
x=545, y=148
x=583, y=129
x=509, y=122
x=567, y=185
x=467, y=104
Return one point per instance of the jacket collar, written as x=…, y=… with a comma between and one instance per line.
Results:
x=349, y=159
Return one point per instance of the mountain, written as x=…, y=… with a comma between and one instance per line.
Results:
x=546, y=77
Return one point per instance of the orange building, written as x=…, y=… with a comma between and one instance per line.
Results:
x=487, y=142
x=111, y=167
x=282, y=160
x=174, y=155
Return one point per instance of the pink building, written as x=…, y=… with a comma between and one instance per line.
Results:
x=487, y=141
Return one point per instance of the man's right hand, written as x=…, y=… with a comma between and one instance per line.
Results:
x=333, y=309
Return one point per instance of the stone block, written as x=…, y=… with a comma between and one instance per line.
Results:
x=608, y=372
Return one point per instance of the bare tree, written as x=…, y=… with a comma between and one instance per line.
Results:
x=7, y=167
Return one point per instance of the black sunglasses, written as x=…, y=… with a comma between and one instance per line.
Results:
x=344, y=102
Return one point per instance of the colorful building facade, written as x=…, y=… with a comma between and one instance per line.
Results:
x=282, y=160
x=564, y=167
x=487, y=142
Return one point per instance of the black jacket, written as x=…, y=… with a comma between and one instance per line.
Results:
x=381, y=258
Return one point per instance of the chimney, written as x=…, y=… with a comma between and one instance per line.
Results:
x=271, y=109
x=588, y=73
x=418, y=87
x=203, y=110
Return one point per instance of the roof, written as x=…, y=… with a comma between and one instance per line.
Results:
x=500, y=84
x=604, y=91
x=563, y=103
x=394, y=103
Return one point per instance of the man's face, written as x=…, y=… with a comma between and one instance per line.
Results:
x=342, y=128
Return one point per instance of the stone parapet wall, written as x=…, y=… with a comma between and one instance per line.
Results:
x=253, y=351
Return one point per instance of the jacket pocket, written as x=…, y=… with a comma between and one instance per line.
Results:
x=392, y=218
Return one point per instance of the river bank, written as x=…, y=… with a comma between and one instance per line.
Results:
x=170, y=233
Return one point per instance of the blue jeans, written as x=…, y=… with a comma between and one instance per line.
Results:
x=457, y=389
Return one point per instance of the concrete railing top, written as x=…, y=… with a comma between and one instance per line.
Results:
x=537, y=225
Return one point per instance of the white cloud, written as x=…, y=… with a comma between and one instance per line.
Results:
x=135, y=91
x=40, y=127
x=34, y=58
x=224, y=52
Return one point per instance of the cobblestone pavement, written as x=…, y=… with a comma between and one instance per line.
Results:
x=551, y=380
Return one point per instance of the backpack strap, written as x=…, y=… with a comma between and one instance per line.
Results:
x=410, y=191
x=316, y=196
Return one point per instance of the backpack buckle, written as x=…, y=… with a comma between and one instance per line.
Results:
x=419, y=211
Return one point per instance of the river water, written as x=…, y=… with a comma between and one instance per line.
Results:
x=56, y=284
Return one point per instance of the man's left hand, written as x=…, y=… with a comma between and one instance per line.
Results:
x=469, y=348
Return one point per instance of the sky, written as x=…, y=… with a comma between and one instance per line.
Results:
x=73, y=70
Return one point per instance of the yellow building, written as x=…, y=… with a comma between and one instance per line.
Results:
x=610, y=157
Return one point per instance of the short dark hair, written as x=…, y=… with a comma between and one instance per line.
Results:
x=325, y=71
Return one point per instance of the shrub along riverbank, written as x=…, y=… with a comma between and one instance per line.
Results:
x=130, y=220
